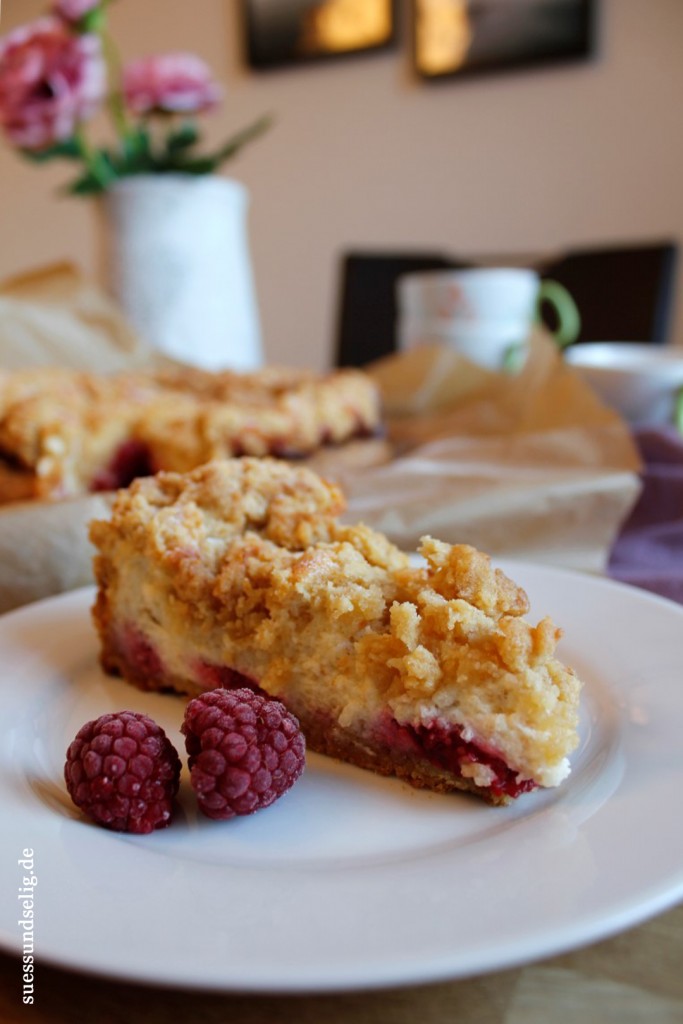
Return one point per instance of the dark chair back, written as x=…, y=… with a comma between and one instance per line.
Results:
x=624, y=293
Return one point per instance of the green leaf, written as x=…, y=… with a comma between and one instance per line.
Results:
x=86, y=185
x=233, y=146
x=135, y=143
x=182, y=138
x=135, y=154
x=202, y=165
x=68, y=150
x=100, y=173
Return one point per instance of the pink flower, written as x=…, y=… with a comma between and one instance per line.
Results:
x=172, y=83
x=74, y=10
x=50, y=81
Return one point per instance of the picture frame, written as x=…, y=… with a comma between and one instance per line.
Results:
x=281, y=33
x=460, y=38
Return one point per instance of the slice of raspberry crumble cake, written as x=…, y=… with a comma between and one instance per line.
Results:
x=65, y=433
x=240, y=573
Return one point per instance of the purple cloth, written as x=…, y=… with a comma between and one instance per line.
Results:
x=649, y=549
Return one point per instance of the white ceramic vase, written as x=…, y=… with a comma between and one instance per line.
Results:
x=176, y=258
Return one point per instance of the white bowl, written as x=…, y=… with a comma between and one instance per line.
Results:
x=641, y=382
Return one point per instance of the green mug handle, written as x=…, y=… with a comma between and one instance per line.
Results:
x=568, y=316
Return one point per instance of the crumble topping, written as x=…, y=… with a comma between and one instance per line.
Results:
x=62, y=432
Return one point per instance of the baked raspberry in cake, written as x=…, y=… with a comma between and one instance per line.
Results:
x=240, y=573
x=64, y=433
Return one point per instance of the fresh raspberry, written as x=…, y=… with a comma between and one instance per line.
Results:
x=124, y=772
x=245, y=750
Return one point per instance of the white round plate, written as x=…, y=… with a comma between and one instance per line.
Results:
x=350, y=881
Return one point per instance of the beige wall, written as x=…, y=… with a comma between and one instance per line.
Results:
x=362, y=155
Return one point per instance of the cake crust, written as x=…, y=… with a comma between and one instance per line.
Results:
x=240, y=571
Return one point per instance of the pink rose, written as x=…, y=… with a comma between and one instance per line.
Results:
x=172, y=83
x=50, y=81
x=74, y=10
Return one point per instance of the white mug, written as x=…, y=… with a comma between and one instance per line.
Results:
x=486, y=313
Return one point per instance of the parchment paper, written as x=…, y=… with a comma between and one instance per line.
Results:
x=529, y=466
x=53, y=316
x=44, y=548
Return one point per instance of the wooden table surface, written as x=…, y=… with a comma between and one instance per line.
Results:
x=636, y=976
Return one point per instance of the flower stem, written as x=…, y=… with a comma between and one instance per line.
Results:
x=95, y=164
x=117, y=107
x=115, y=102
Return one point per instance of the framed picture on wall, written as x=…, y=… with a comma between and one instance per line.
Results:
x=452, y=38
x=286, y=32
